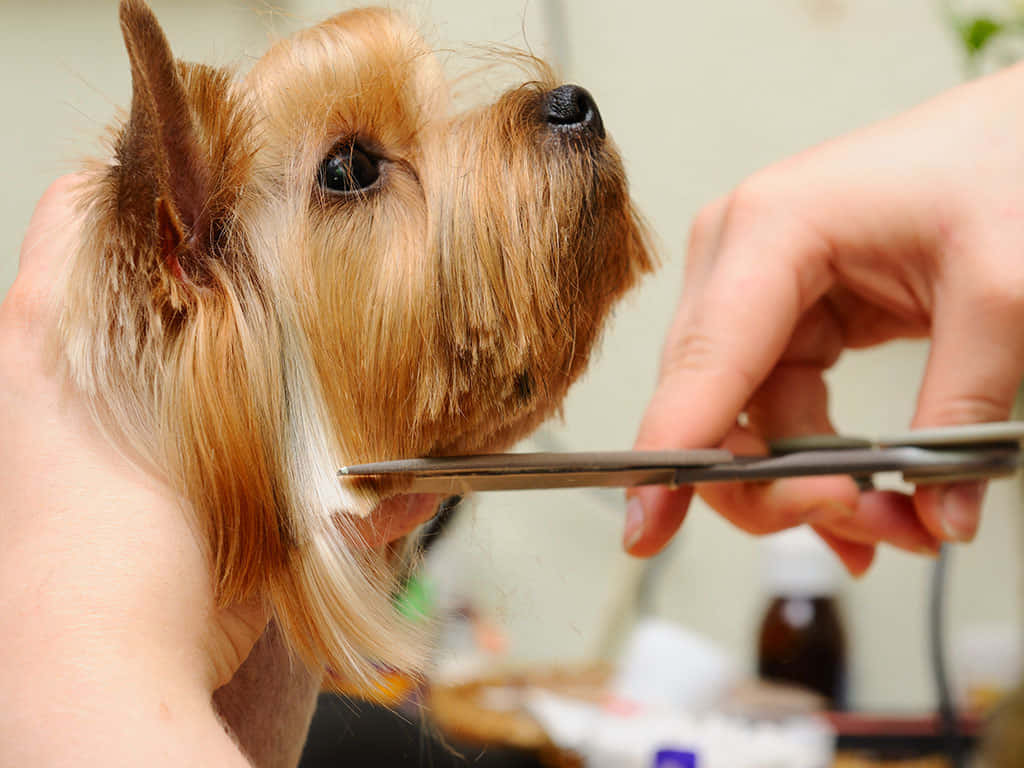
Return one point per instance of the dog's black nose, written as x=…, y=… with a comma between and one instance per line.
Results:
x=572, y=108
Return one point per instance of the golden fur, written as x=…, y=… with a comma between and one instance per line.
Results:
x=244, y=332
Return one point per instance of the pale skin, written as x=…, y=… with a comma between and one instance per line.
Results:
x=111, y=643
x=910, y=228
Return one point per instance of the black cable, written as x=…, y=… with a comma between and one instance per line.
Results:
x=947, y=710
x=438, y=524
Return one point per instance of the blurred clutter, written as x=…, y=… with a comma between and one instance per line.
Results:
x=671, y=698
x=801, y=635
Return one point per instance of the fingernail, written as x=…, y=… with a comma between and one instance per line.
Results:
x=634, y=523
x=959, y=507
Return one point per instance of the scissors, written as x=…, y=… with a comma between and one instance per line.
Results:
x=937, y=455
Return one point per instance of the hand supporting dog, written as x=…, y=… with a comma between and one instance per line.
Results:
x=112, y=636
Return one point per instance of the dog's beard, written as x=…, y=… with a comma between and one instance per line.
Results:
x=246, y=330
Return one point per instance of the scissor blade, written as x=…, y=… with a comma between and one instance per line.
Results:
x=503, y=472
x=461, y=484
x=513, y=463
x=516, y=471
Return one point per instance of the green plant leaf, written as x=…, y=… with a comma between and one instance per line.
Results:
x=978, y=32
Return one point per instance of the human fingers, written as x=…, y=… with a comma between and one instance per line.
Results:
x=855, y=557
x=142, y=578
x=887, y=221
x=763, y=258
x=792, y=402
x=653, y=515
x=735, y=321
x=26, y=310
x=973, y=372
x=51, y=230
x=883, y=517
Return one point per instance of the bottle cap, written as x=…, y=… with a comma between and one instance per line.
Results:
x=675, y=758
x=796, y=563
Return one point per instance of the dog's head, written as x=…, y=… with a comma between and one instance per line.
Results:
x=319, y=264
x=455, y=269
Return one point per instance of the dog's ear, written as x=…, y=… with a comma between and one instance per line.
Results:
x=164, y=167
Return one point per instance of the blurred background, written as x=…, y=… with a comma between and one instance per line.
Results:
x=697, y=95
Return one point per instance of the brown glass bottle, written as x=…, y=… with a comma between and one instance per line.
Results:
x=801, y=642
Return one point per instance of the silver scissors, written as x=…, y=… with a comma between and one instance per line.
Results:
x=943, y=454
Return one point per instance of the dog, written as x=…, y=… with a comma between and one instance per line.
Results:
x=318, y=264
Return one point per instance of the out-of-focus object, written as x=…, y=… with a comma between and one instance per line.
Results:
x=986, y=664
x=1002, y=745
x=801, y=639
x=990, y=33
x=762, y=700
x=673, y=694
x=469, y=642
x=859, y=761
x=607, y=737
x=675, y=758
x=570, y=719
x=664, y=665
x=493, y=710
x=899, y=740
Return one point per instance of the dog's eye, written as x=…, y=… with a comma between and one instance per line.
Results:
x=349, y=168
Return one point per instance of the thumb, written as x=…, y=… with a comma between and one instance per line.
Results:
x=973, y=373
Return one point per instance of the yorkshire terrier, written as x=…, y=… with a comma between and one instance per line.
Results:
x=318, y=264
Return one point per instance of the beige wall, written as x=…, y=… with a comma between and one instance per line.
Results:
x=697, y=95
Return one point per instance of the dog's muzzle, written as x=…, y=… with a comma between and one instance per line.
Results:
x=572, y=109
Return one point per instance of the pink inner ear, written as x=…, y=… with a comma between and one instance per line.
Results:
x=175, y=268
x=171, y=237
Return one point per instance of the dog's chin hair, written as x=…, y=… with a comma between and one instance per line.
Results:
x=313, y=598
x=242, y=333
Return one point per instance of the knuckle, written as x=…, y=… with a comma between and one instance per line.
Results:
x=704, y=229
x=24, y=310
x=1000, y=296
x=746, y=204
x=60, y=190
x=971, y=408
x=54, y=218
x=58, y=195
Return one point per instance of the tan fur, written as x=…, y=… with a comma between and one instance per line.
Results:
x=245, y=333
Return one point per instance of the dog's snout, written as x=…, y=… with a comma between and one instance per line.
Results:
x=572, y=108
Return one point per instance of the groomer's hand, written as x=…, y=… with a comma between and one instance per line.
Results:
x=911, y=228
x=110, y=641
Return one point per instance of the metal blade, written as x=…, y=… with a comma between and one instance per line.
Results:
x=519, y=471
